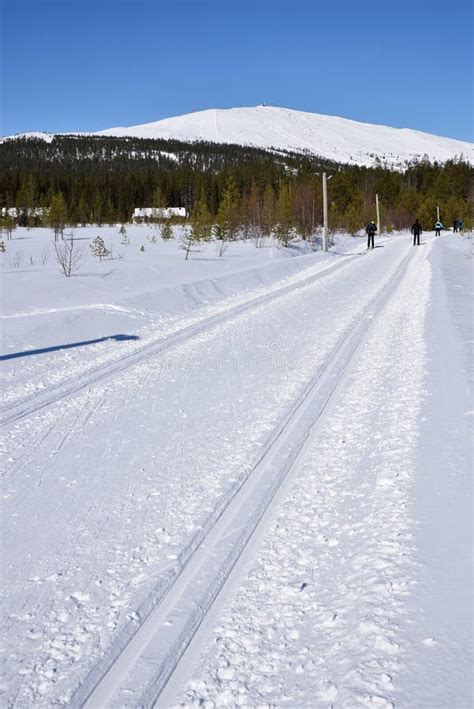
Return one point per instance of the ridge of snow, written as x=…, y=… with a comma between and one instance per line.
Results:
x=41, y=135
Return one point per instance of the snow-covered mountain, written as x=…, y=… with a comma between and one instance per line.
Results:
x=331, y=137
x=335, y=138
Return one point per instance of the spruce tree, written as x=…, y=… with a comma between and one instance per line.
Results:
x=284, y=230
x=427, y=213
x=254, y=203
x=268, y=210
x=8, y=225
x=188, y=242
x=97, y=208
x=82, y=211
x=455, y=208
x=354, y=215
x=57, y=214
x=99, y=248
x=166, y=231
x=27, y=201
x=109, y=213
x=201, y=221
x=228, y=217
x=158, y=198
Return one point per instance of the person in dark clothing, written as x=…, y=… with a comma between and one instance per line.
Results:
x=455, y=226
x=416, y=230
x=371, y=228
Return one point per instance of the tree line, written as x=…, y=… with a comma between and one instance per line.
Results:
x=101, y=179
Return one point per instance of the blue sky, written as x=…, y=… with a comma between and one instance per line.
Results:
x=78, y=65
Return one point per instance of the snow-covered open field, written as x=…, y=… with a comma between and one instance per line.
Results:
x=238, y=481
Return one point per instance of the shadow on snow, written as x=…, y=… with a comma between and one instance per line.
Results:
x=55, y=348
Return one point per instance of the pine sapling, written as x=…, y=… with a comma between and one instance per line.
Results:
x=166, y=231
x=8, y=224
x=99, y=248
x=188, y=241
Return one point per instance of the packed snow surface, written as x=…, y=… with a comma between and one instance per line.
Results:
x=237, y=481
x=331, y=137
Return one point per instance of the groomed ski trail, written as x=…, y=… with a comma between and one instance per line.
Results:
x=321, y=616
x=139, y=672
x=111, y=519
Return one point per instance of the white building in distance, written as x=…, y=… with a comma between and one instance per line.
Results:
x=15, y=212
x=140, y=213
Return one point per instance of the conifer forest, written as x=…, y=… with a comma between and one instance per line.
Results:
x=101, y=180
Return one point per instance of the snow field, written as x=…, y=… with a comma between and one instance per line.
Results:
x=110, y=490
x=105, y=492
x=153, y=296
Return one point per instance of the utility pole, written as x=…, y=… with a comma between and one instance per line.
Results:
x=325, y=210
x=379, y=224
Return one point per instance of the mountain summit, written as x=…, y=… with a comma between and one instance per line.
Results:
x=331, y=137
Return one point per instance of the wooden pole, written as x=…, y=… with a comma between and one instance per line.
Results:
x=379, y=223
x=325, y=212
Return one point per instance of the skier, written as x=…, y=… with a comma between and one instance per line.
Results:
x=438, y=226
x=416, y=230
x=461, y=226
x=455, y=226
x=371, y=228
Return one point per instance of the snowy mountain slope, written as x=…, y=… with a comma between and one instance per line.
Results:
x=338, y=139
x=331, y=137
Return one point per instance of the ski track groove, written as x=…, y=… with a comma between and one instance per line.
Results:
x=102, y=683
x=46, y=398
